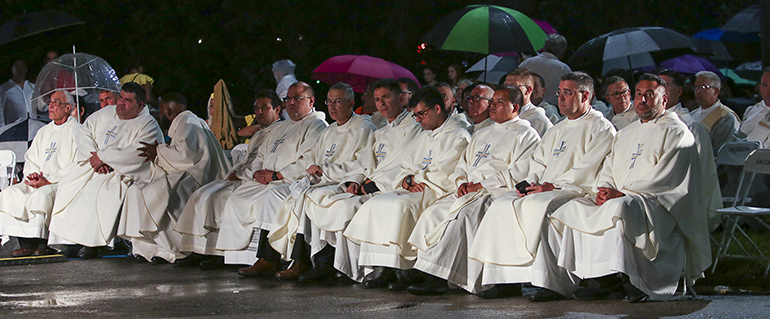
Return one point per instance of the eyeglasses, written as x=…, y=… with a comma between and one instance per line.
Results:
x=567, y=92
x=522, y=86
x=648, y=95
x=407, y=92
x=57, y=103
x=335, y=101
x=296, y=99
x=618, y=94
x=477, y=98
x=703, y=87
x=421, y=114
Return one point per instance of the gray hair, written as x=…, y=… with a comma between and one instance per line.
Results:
x=583, y=81
x=556, y=44
x=713, y=78
x=68, y=97
x=349, y=95
x=286, y=67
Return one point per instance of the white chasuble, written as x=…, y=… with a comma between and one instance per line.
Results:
x=26, y=209
x=193, y=157
x=87, y=203
x=658, y=230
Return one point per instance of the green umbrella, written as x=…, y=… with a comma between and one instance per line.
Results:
x=487, y=29
x=738, y=80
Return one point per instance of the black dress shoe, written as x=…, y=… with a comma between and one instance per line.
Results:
x=387, y=276
x=501, y=291
x=191, y=260
x=398, y=286
x=89, y=252
x=213, y=262
x=410, y=276
x=546, y=295
x=158, y=261
x=71, y=251
x=634, y=294
x=615, y=292
x=318, y=273
x=432, y=285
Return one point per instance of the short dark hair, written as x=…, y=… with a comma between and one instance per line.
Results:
x=410, y=84
x=139, y=93
x=444, y=85
x=676, y=77
x=469, y=89
x=653, y=78
x=539, y=79
x=389, y=84
x=174, y=97
x=514, y=94
x=430, y=96
x=275, y=101
x=612, y=80
x=583, y=81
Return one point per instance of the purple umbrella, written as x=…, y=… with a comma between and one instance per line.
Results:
x=358, y=71
x=546, y=27
x=690, y=64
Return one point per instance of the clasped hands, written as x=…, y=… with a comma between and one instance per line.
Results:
x=97, y=164
x=36, y=180
x=412, y=187
x=265, y=176
x=606, y=193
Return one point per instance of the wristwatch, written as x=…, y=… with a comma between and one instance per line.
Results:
x=275, y=176
x=408, y=180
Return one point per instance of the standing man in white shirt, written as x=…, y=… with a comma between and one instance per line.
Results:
x=15, y=96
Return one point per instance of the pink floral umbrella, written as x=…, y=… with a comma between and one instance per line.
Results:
x=358, y=71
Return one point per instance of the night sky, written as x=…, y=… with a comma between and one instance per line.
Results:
x=187, y=46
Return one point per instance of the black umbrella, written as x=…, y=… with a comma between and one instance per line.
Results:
x=36, y=29
x=745, y=21
x=628, y=43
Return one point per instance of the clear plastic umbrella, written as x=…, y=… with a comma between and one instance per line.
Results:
x=81, y=74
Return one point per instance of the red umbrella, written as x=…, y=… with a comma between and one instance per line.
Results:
x=358, y=71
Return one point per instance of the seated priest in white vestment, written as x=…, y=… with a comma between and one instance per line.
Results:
x=757, y=112
x=328, y=209
x=524, y=79
x=711, y=193
x=445, y=229
x=720, y=121
x=646, y=221
x=89, y=199
x=478, y=100
x=448, y=93
x=25, y=208
x=272, y=167
x=382, y=225
x=199, y=220
x=538, y=93
x=564, y=166
x=279, y=211
x=191, y=157
x=621, y=112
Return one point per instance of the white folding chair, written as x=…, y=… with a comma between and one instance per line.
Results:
x=758, y=162
x=7, y=168
x=734, y=154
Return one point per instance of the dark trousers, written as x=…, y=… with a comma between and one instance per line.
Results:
x=300, y=253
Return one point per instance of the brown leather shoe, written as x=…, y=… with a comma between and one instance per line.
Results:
x=260, y=268
x=293, y=272
x=23, y=252
x=45, y=252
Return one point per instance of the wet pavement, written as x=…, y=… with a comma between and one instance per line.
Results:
x=118, y=287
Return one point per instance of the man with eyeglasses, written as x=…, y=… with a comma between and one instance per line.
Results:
x=328, y=209
x=89, y=198
x=191, y=157
x=197, y=222
x=523, y=79
x=478, y=101
x=644, y=227
x=720, y=121
x=621, y=112
x=449, y=106
x=446, y=229
x=25, y=208
x=758, y=112
x=511, y=245
x=382, y=225
x=272, y=167
x=280, y=211
x=408, y=87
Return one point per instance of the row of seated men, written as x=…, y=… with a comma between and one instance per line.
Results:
x=417, y=204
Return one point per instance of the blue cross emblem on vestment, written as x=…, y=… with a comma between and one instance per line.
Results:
x=561, y=149
x=277, y=143
x=427, y=160
x=380, y=154
x=331, y=150
x=110, y=133
x=636, y=155
x=50, y=150
x=481, y=154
